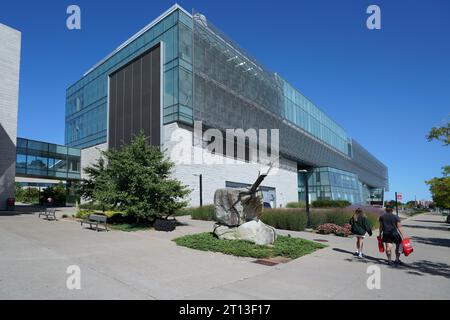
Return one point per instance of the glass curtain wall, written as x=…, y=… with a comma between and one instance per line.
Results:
x=46, y=160
x=331, y=184
x=86, y=100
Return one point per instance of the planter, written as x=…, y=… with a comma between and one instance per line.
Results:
x=164, y=225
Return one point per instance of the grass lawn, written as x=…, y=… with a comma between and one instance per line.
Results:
x=130, y=227
x=284, y=246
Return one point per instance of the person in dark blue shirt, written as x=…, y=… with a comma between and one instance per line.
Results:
x=391, y=232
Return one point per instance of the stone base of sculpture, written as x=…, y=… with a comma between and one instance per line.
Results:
x=254, y=231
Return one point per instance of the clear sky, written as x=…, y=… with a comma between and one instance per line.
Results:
x=386, y=87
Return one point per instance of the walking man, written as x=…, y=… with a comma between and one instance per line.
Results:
x=391, y=232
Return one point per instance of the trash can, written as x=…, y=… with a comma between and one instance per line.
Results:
x=10, y=204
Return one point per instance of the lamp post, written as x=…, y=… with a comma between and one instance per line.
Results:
x=308, y=215
x=200, y=180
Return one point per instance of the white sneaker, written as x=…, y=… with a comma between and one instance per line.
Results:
x=360, y=255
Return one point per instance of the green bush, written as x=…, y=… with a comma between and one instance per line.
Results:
x=95, y=206
x=206, y=213
x=295, y=205
x=330, y=203
x=338, y=217
x=286, y=219
x=317, y=218
x=115, y=217
x=57, y=193
x=83, y=214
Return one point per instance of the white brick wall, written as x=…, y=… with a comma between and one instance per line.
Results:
x=284, y=180
x=10, y=41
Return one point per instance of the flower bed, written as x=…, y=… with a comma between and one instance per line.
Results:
x=331, y=228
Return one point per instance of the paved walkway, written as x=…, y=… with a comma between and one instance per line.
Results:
x=35, y=254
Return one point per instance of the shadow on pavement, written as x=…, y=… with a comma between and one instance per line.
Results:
x=418, y=268
x=367, y=259
x=430, y=221
x=24, y=210
x=427, y=267
x=441, y=242
x=440, y=228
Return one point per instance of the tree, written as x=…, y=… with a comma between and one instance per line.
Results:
x=135, y=179
x=98, y=186
x=440, y=189
x=57, y=193
x=441, y=134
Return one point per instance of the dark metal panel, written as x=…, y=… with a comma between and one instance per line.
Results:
x=136, y=96
x=134, y=99
x=127, y=106
x=155, y=98
x=146, y=93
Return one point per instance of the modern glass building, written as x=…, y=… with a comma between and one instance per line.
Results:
x=180, y=69
x=36, y=159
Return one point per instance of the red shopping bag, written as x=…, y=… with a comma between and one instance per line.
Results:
x=407, y=247
x=380, y=245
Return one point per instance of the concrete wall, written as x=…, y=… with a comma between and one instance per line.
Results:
x=10, y=41
x=179, y=145
x=215, y=175
x=90, y=155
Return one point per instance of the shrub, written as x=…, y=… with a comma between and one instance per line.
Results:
x=338, y=216
x=294, y=205
x=318, y=218
x=57, y=193
x=330, y=203
x=83, y=214
x=94, y=206
x=344, y=231
x=206, y=213
x=327, y=228
x=286, y=219
x=115, y=217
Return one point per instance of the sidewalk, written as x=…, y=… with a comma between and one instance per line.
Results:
x=34, y=256
x=334, y=273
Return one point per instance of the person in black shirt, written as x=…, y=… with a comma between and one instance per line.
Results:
x=391, y=232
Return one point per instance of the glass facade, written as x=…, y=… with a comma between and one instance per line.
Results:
x=86, y=100
x=46, y=160
x=331, y=184
x=303, y=113
x=327, y=183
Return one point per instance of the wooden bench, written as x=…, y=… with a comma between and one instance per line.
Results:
x=48, y=213
x=96, y=220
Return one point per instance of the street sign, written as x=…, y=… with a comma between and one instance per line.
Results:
x=399, y=197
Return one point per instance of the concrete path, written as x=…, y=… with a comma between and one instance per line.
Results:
x=35, y=254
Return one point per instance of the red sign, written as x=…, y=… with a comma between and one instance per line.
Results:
x=399, y=197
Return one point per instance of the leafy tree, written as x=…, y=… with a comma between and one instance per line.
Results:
x=19, y=193
x=57, y=193
x=98, y=186
x=441, y=134
x=135, y=179
x=440, y=189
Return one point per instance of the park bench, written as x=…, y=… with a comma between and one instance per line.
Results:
x=95, y=220
x=48, y=213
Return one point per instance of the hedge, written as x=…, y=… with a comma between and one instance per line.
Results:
x=330, y=203
x=286, y=219
x=206, y=213
x=298, y=204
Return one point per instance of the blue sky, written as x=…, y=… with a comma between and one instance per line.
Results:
x=386, y=87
